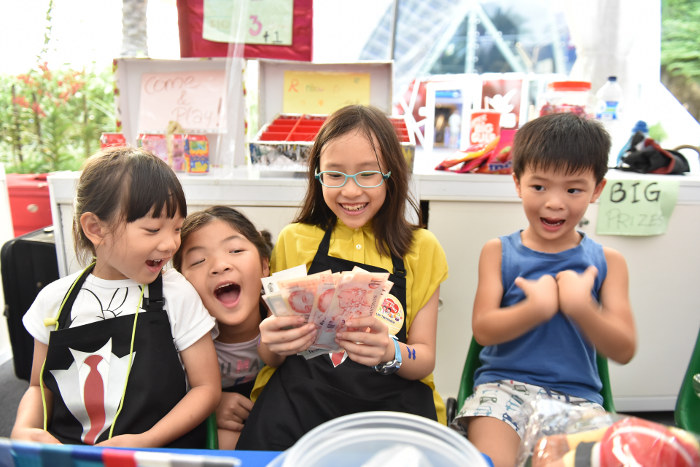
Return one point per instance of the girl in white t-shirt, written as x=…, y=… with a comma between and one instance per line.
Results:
x=111, y=341
x=224, y=256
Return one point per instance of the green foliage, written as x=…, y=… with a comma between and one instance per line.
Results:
x=680, y=40
x=52, y=119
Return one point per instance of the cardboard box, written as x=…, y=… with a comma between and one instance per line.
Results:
x=274, y=97
x=285, y=143
x=296, y=97
x=130, y=75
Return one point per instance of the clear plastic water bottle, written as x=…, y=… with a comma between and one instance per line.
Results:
x=609, y=98
x=608, y=111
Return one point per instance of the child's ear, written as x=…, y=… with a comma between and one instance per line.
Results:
x=598, y=190
x=265, y=267
x=517, y=185
x=93, y=227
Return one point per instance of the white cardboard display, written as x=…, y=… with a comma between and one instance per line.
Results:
x=271, y=83
x=129, y=73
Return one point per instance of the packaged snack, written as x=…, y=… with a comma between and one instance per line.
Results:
x=175, y=144
x=169, y=147
x=112, y=139
x=485, y=126
x=196, y=154
x=563, y=435
x=155, y=143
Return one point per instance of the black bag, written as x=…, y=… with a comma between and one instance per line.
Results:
x=649, y=157
x=28, y=263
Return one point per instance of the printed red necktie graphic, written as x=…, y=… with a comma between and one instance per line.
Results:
x=337, y=358
x=94, y=399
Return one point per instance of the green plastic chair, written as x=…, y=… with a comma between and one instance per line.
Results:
x=466, y=386
x=687, y=412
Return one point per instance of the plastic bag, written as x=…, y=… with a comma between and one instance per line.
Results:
x=559, y=434
x=649, y=157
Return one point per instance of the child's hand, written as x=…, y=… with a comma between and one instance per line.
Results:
x=286, y=335
x=366, y=340
x=36, y=435
x=575, y=290
x=127, y=441
x=233, y=411
x=541, y=294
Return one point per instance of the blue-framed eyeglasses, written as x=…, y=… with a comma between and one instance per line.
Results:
x=364, y=179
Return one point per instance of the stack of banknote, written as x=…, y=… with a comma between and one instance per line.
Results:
x=325, y=299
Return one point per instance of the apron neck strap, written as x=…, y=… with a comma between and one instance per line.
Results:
x=154, y=301
x=71, y=295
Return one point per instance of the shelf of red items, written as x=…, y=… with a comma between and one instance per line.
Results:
x=304, y=128
x=293, y=128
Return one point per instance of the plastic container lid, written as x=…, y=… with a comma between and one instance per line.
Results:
x=356, y=438
x=359, y=446
x=570, y=85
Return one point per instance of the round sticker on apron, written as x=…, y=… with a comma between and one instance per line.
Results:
x=391, y=312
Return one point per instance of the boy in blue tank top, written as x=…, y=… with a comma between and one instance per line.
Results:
x=548, y=297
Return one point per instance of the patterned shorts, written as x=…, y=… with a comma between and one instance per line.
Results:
x=505, y=401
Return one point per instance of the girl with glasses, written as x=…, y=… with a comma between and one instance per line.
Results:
x=354, y=214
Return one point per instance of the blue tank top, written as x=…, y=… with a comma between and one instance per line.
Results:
x=554, y=355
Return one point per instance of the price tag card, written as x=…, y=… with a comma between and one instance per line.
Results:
x=263, y=22
x=636, y=207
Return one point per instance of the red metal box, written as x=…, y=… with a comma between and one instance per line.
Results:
x=30, y=204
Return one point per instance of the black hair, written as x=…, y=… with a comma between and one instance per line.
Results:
x=562, y=142
x=123, y=184
x=195, y=221
x=392, y=230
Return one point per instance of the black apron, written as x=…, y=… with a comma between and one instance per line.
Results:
x=302, y=394
x=156, y=382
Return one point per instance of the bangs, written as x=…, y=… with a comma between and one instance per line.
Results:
x=152, y=190
x=568, y=153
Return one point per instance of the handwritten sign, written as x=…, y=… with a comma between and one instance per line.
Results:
x=266, y=22
x=194, y=99
x=636, y=207
x=323, y=92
